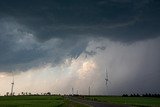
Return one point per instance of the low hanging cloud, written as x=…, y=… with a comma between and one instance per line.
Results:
x=33, y=33
x=20, y=49
x=132, y=68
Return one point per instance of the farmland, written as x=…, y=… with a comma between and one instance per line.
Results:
x=131, y=101
x=36, y=101
x=70, y=101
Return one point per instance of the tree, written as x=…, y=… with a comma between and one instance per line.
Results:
x=48, y=93
x=7, y=93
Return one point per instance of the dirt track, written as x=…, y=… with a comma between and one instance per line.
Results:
x=94, y=103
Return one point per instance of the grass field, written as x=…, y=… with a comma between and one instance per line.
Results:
x=36, y=101
x=60, y=101
x=133, y=101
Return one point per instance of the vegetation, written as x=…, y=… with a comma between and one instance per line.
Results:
x=143, y=95
x=61, y=101
x=36, y=101
x=133, y=101
x=69, y=103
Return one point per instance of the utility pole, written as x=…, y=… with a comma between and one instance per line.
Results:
x=72, y=91
x=77, y=92
x=89, y=91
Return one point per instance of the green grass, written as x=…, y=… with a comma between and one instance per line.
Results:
x=31, y=101
x=69, y=103
x=60, y=101
x=36, y=101
x=133, y=101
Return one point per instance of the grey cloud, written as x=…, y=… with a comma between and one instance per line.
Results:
x=33, y=32
x=102, y=47
x=91, y=53
x=94, y=51
x=132, y=68
x=61, y=19
x=20, y=50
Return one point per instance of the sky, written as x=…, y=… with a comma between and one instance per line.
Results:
x=56, y=45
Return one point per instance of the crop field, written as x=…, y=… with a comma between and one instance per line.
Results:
x=61, y=101
x=36, y=101
x=132, y=101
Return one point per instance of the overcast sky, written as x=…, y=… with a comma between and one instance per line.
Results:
x=54, y=45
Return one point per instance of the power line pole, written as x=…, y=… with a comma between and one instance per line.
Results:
x=77, y=92
x=72, y=91
x=89, y=91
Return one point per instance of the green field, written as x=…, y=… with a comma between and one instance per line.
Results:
x=36, y=101
x=132, y=101
x=61, y=101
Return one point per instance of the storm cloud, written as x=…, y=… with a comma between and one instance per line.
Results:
x=121, y=35
x=30, y=25
x=126, y=20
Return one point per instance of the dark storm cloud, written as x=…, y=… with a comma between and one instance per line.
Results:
x=20, y=50
x=37, y=31
x=126, y=20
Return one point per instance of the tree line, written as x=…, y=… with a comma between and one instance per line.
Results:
x=142, y=95
x=28, y=94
